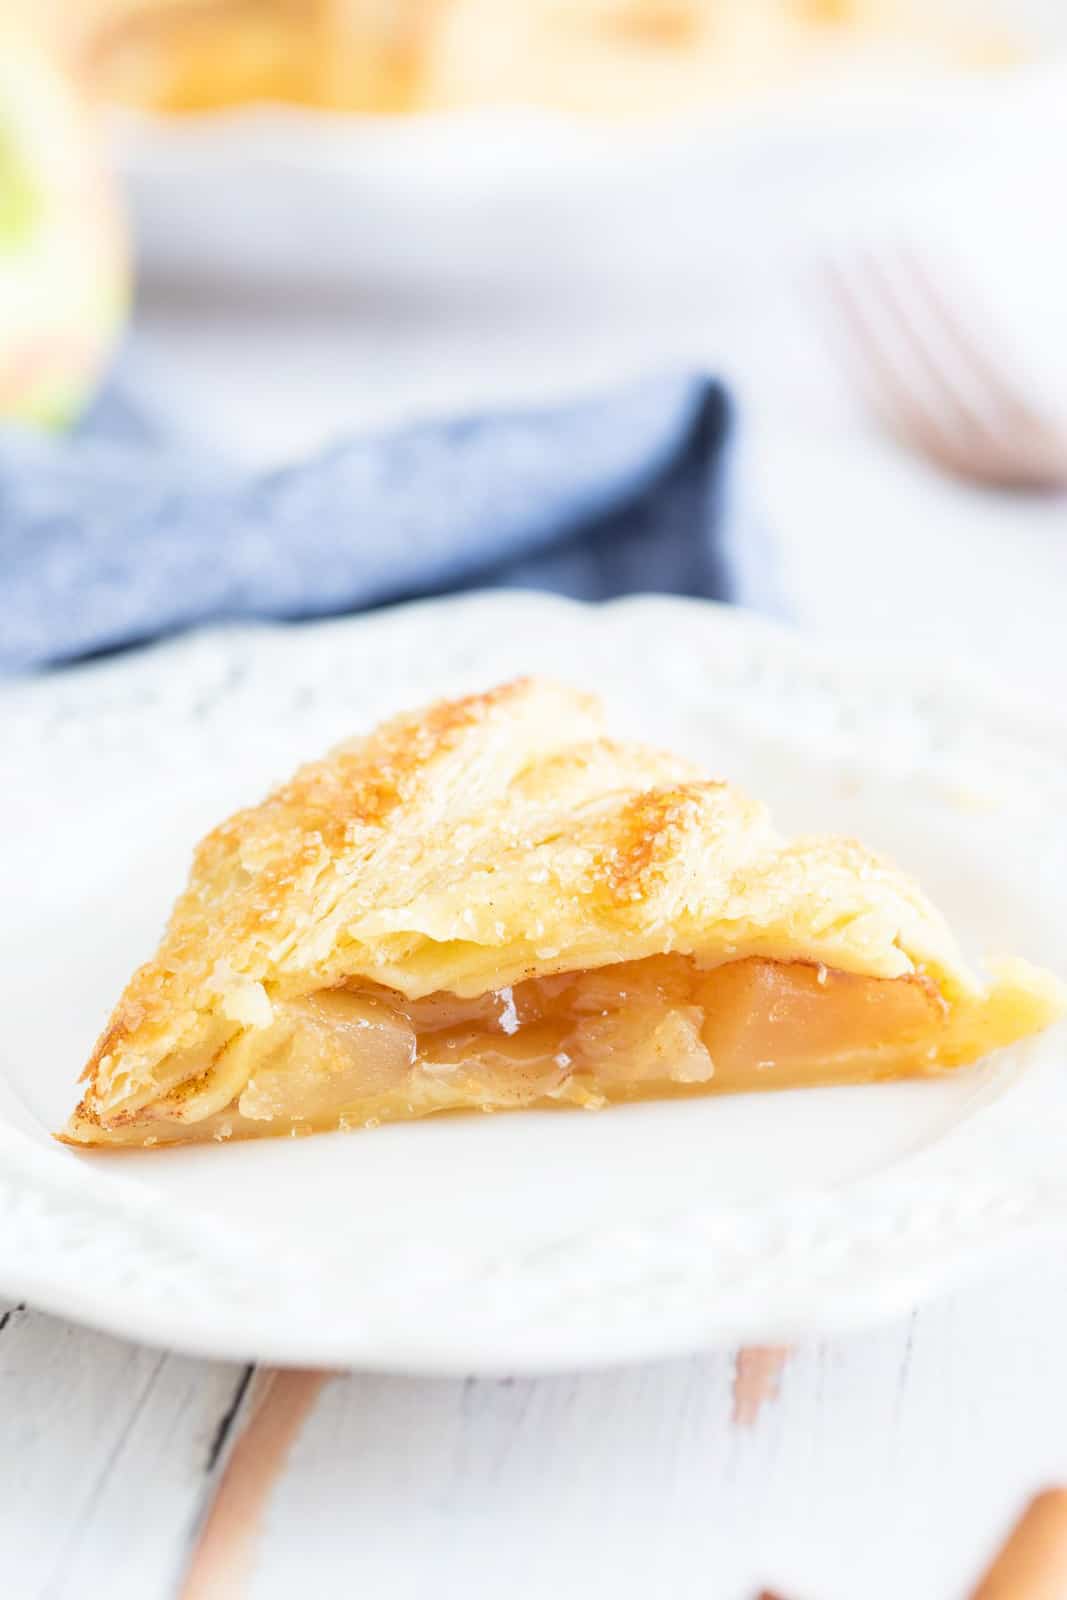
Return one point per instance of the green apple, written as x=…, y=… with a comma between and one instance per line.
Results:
x=63, y=262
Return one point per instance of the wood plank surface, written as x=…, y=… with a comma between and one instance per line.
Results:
x=107, y=1452
x=885, y=1464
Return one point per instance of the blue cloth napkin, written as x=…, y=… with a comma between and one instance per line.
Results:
x=111, y=535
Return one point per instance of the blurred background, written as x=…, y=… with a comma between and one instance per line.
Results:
x=281, y=222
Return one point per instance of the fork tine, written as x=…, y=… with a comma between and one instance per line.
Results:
x=871, y=361
x=994, y=381
x=918, y=392
x=1032, y=450
x=942, y=376
x=932, y=383
x=902, y=403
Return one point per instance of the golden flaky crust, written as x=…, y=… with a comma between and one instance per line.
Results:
x=475, y=844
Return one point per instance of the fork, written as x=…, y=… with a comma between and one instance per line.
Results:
x=934, y=375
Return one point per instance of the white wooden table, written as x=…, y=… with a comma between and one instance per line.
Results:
x=886, y=1465
x=881, y=1466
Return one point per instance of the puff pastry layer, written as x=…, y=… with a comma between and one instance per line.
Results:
x=490, y=904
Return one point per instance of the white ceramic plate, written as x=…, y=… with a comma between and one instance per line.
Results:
x=518, y=1242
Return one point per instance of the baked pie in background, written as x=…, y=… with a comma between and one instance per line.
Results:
x=492, y=904
x=604, y=57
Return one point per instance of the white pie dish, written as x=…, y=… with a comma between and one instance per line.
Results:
x=525, y=198
x=523, y=1242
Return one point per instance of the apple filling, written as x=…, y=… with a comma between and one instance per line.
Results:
x=361, y=1054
